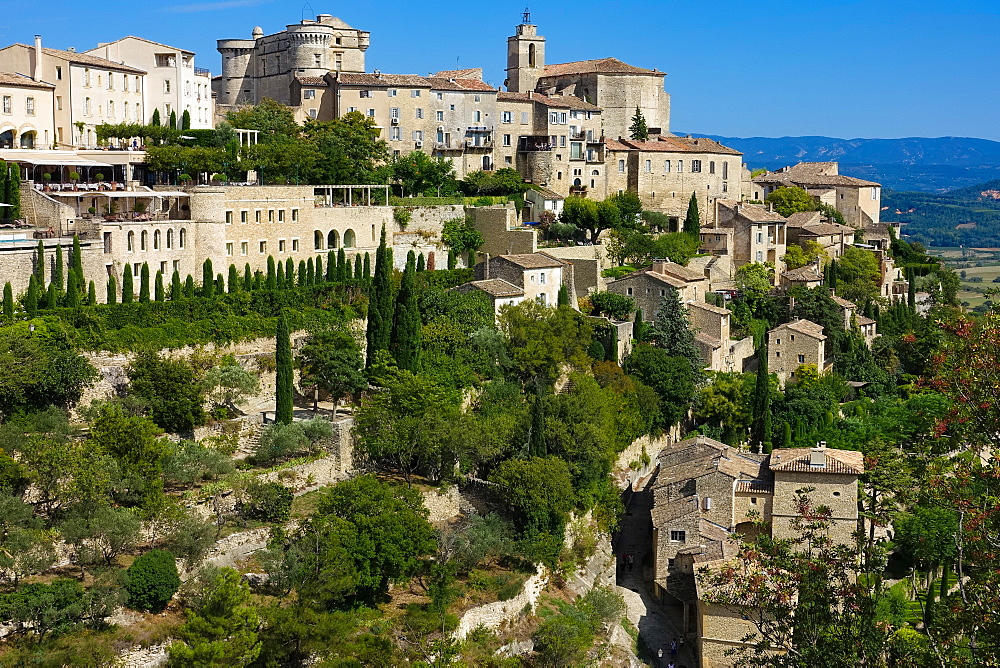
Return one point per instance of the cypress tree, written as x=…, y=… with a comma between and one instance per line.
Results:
x=639, y=328
x=761, y=429
x=279, y=280
x=14, y=195
x=331, y=267
x=8, y=302
x=31, y=297
x=911, y=290
x=220, y=285
x=173, y=120
x=77, y=260
x=310, y=272
x=420, y=262
x=834, y=274
x=451, y=260
x=247, y=278
x=272, y=280
x=367, y=273
x=405, y=339
x=320, y=276
x=380, y=305
x=127, y=293
x=175, y=286
x=348, y=272
x=563, y=298
x=342, y=266
x=302, y=272
x=234, y=280
x=51, y=297
x=357, y=269
x=638, y=130
x=144, y=284
x=692, y=221
x=283, y=408
x=613, y=347
x=671, y=332
x=470, y=260
x=112, y=290
x=186, y=120
x=73, y=290
x=289, y=273
x=189, y=289
x=207, y=279
x=91, y=294
x=155, y=120
x=259, y=282
x=40, y=264
x=59, y=274
x=158, y=292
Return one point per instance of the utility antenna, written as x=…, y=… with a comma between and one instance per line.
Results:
x=312, y=12
x=526, y=17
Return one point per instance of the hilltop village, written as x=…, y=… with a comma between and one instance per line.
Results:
x=306, y=364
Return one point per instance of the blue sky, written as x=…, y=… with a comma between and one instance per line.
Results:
x=881, y=68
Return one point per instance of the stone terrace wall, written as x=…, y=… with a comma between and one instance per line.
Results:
x=494, y=615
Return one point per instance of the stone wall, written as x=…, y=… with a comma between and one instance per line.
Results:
x=633, y=453
x=443, y=505
x=495, y=615
x=494, y=223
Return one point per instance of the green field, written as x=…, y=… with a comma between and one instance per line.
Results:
x=971, y=292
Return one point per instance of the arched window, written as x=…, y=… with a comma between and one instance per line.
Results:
x=531, y=55
x=350, y=240
x=333, y=239
x=595, y=172
x=28, y=140
x=156, y=240
x=170, y=238
x=577, y=182
x=130, y=246
x=318, y=240
x=143, y=240
x=182, y=238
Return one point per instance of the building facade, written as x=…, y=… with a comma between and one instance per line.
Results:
x=173, y=83
x=859, y=201
x=27, y=113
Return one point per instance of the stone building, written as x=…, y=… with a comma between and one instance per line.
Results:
x=648, y=287
x=714, y=340
x=808, y=276
x=792, y=344
x=705, y=491
x=27, y=118
x=849, y=310
x=833, y=238
x=267, y=66
x=758, y=233
x=173, y=83
x=666, y=171
x=859, y=201
x=537, y=275
x=88, y=90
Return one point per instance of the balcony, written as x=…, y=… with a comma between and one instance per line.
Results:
x=202, y=72
x=578, y=136
x=447, y=146
x=533, y=144
x=484, y=144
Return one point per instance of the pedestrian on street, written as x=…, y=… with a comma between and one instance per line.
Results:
x=673, y=648
x=631, y=562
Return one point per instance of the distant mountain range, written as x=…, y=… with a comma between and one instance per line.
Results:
x=925, y=164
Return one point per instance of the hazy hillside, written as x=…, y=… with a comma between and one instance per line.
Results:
x=913, y=163
x=967, y=216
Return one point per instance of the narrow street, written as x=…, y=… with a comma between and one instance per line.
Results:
x=658, y=624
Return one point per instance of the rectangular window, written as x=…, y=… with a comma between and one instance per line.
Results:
x=244, y=216
x=281, y=215
x=415, y=92
x=229, y=217
x=59, y=73
x=309, y=94
x=229, y=248
x=244, y=247
x=506, y=140
x=395, y=134
x=506, y=117
x=711, y=167
x=696, y=165
x=418, y=135
x=725, y=170
x=256, y=216
x=802, y=359
x=295, y=215
x=270, y=215
x=281, y=245
x=166, y=85
x=680, y=166
x=649, y=166
x=439, y=115
x=678, y=536
x=525, y=118
x=8, y=104
x=295, y=245
x=419, y=113
x=394, y=113
x=136, y=269
x=553, y=117
x=541, y=278
x=29, y=106
x=478, y=116
x=392, y=92
x=59, y=102
x=263, y=247
x=371, y=113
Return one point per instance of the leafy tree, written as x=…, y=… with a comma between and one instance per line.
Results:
x=332, y=362
x=629, y=206
x=926, y=536
x=417, y=173
x=638, y=130
x=791, y=199
x=152, y=580
x=755, y=281
x=541, y=339
x=144, y=284
x=349, y=150
x=613, y=305
x=279, y=441
x=158, y=293
x=858, y=275
x=801, y=255
x=692, y=219
x=39, y=369
x=380, y=304
x=100, y=534
x=583, y=214
x=230, y=383
x=410, y=426
x=267, y=502
x=460, y=236
x=168, y=389
x=112, y=296
x=47, y=609
x=538, y=490
x=284, y=380
x=222, y=629
x=725, y=404
x=671, y=377
x=273, y=119
x=135, y=445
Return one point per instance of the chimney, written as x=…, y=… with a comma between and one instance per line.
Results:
x=36, y=72
x=817, y=456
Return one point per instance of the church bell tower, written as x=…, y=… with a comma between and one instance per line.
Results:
x=525, y=57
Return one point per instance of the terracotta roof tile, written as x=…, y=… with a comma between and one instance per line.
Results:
x=807, y=273
x=442, y=83
x=382, y=80
x=532, y=260
x=673, y=509
x=85, y=59
x=812, y=174
x=470, y=73
x=497, y=287
x=711, y=308
x=806, y=327
x=755, y=486
x=755, y=213
x=600, y=66
x=825, y=229
x=679, y=145
x=11, y=79
x=312, y=81
x=802, y=218
x=835, y=461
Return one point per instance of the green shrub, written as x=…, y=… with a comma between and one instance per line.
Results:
x=152, y=581
x=267, y=502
